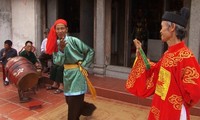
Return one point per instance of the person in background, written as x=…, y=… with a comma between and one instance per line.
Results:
x=5, y=54
x=56, y=71
x=28, y=54
x=75, y=56
x=140, y=30
x=174, y=81
x=44, y=58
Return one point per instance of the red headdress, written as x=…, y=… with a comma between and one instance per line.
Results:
x=52, y=38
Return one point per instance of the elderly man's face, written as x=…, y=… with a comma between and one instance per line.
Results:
x=61, y=30
x=165, y=32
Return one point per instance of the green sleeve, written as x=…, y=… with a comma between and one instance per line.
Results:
x=87, y=51
x=58, y=58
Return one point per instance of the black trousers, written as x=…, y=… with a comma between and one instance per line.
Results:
x=75, y=106
x=56, y=73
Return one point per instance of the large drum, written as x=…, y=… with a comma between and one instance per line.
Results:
x=21, y=72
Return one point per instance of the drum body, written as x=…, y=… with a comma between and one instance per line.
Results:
x=21, y=72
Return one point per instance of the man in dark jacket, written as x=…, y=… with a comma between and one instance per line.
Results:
x=5, y=54
x=28, y=54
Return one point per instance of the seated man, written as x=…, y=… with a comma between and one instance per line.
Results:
x=44, y=58
x=5, y=54
x=28, y=54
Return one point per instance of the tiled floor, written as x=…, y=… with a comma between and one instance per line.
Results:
x=54, y=107
x=115, y=89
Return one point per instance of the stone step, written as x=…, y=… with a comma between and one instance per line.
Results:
x=114, y=88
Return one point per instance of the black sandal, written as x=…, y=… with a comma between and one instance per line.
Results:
x=58, y=91
x=51, y=88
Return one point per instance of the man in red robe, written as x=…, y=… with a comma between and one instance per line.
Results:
x=174, y=81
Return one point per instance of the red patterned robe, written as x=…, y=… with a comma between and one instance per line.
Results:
x=173, y=81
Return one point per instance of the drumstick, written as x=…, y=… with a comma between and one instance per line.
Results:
x=146, y=62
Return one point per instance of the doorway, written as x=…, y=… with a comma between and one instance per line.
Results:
x=70, y=11
x=117, y=32
x=143, y=22
x=79, y=15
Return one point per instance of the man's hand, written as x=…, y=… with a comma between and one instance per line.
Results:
x=62, y=44
x=137, y=44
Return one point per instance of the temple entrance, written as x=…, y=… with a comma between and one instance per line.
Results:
x=145, y=17
x=139, y=19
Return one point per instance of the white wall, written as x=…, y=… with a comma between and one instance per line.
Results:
x=194, y=30
x=23, y=22
x=5, y=21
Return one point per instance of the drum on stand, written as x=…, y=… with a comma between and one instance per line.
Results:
x=22, y=73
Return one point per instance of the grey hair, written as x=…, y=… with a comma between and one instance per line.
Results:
x=180, y=30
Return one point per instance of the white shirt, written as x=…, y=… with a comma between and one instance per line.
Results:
x=43, y=45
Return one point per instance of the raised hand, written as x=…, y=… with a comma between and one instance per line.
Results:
x=137, y=44
x=62, y=44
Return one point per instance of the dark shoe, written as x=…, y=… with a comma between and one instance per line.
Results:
x=24, y=99
x=88, y=109
x=58, y=91
x=51, y=88
x=6, y=83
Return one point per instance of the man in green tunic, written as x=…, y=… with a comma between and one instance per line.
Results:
x=74, y=55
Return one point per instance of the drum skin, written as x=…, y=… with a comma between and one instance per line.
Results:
x=21, y=72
